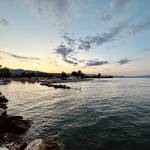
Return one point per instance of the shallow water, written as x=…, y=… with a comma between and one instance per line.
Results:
x=111, y=114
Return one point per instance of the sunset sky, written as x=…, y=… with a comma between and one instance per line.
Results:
x=107, y=36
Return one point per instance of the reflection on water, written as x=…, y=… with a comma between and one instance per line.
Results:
x=107, y=114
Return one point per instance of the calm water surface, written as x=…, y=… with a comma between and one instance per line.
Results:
x=112, y=114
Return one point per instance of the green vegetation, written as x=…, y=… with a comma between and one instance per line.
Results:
x=4, y=72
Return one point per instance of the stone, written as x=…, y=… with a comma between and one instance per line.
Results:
x=53, y=146
x=23, y=146
x=37, y=144
x=3, y=105
x=18, y=126
x=2, y=112
x=4, y=148
x=3, y=99
x=15, y=118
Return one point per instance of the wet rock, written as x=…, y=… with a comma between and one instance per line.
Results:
x=13, y=124
x=3, y=106
x=15, y=118
x=37, y=144
x=61, y=86
x=4, y=148
x=18, y=126
x=22, y=146
x=53, y=146
x=3, y=112
x=17, y=146
x=3, y=126
x=3, y=99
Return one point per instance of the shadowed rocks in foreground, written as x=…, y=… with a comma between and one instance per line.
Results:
x=17, y=125
x=11, y=124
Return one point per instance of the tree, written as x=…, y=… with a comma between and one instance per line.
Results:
x=74, y=73
x=4, y=72
x=64, y=75
x=99, y=75
x=80, y=74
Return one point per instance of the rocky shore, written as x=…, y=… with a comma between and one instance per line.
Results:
x=11, y=124
x=17, y=125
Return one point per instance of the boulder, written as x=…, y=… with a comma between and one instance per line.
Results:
x=3, y=106
x=17, y=146
x=2, y=112
x=3, y=148
x=3, y=99
x=13, y=124
x=53, y=146
x=15, y=118
x=37, y=144
x=23, y=146
x=18, y=126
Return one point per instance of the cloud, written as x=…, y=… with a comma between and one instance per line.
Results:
x=96, y=63
x=69, y=40
x=71, y=45
x=124, y=61
x=19, y=57
x=70, y=61
x=144, y=25
x=63, y=50
x=51, y=8
x=118, y=4
x=146, y=49
x=85, y=44
x=88, y=41
x=3, y=22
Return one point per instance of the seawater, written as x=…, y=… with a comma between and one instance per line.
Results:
x=106, y=114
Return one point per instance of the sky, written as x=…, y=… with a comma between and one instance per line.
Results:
x=106, y=36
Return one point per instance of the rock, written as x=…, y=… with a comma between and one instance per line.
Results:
x=18, y=126
x=2, y=112
x=23, y=146
x=3, y=99
x=61, y=86
x=13, y=124
x=15, y=118
x=4, y=148
x=53, y=146
x=20, y=146
x=3, y=105
x=37, y=144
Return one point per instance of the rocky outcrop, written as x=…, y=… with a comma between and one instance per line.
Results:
x=39, y=144
x=17, y=125
x=56, y=86
x=13, y=124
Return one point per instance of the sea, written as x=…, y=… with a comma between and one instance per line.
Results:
x=101, y=114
